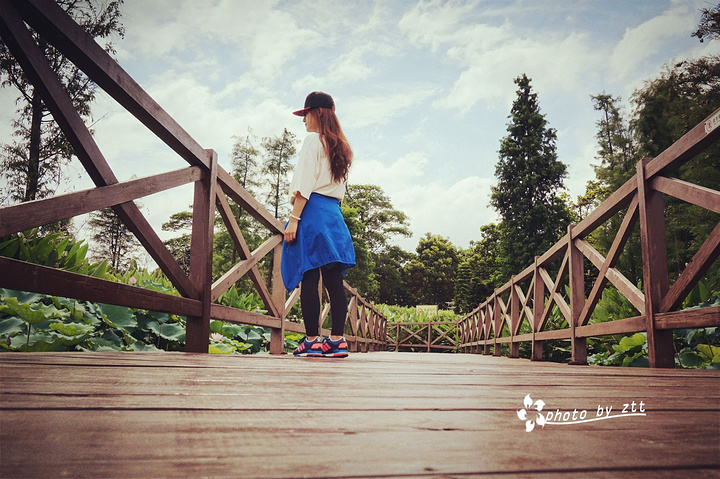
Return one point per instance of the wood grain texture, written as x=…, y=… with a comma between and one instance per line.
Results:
x=23, y=276
x=24, y=216
x=387, y=415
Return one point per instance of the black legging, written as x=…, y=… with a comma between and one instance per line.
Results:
x=310, y=300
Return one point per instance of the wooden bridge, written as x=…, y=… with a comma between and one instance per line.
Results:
x=373, y=415
x=377, y=415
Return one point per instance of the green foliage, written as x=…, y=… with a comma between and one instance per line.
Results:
x=245, y=161
x=179, y=246
x=478, y=270
x=698, y=348
x=612, y=305
x=36, y=322
x=630, y=351
x=695, y=348
x=379, y=220
x=664, y=110
x=373, y=222
x=709, y=26
x=529, y=180
x=276, y=165
x=247, y=302
x=229, y=338
x=430, y=276
x=362, y=276
x=389, y=273
x=55, y=250
x=113, y=239
x=403, y=314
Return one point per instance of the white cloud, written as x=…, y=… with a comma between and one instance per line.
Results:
x=456, y=210
x=398, y=175
x=649, y=38
x=348, y=67
x=8, y=109
x=435, y=23
x=363, y=111
x=491, y=56
x=211, y=117
x=266, y=36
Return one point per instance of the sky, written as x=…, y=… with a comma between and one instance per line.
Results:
x=423, y=89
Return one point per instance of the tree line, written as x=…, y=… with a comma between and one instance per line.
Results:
x=529, y=195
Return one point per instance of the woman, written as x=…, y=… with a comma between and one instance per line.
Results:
x=317, y=240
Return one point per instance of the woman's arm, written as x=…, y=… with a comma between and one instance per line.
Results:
x=292, y=226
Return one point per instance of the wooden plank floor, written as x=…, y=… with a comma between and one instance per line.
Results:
x=371, y=415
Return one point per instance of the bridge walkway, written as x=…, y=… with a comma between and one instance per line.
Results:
x=383, y=414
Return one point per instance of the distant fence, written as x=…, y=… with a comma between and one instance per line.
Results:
x=213, y=187
x=530, y=298
x=431, y=336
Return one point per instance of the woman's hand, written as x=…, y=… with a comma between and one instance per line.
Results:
x=291, y=230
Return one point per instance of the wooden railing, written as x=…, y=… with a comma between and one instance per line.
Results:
x=423, y=336
x=531, y=297
x=213, y=186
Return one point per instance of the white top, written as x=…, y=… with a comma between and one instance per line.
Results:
x=312, y=173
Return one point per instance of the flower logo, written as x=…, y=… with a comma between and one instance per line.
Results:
x=523, y=413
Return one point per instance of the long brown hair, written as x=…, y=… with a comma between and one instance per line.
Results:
x=333, y=139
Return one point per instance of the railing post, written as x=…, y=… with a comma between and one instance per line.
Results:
x=467, y=333
x=474, y=331
x=397, y=337
x=497, y=321
x=487, y=325
x=277, y=335
x=538, y=306
x=576, y=278
x=197, y=333
x=661, y=352
x=429, y=341
x=514, y=318
x=363, y=327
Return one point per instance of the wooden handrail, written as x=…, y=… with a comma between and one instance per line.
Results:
x=213, y=186
x=422, y=336
x=481, y=331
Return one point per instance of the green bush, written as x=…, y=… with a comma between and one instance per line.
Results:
x=694, y=348
x=37, y=322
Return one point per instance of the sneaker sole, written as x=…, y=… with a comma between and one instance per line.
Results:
x=338, y=354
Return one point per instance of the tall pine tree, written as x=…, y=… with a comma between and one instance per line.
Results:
x=245, y=161
x=530, y=176
x=276, y=166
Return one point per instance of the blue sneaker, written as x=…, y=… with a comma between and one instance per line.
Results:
x=309, y=348
x=335, y=349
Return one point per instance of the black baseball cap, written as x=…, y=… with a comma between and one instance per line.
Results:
x=316, y=99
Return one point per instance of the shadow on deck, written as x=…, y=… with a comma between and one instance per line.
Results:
x=370, y=415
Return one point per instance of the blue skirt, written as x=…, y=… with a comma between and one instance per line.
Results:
x=322, y=239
